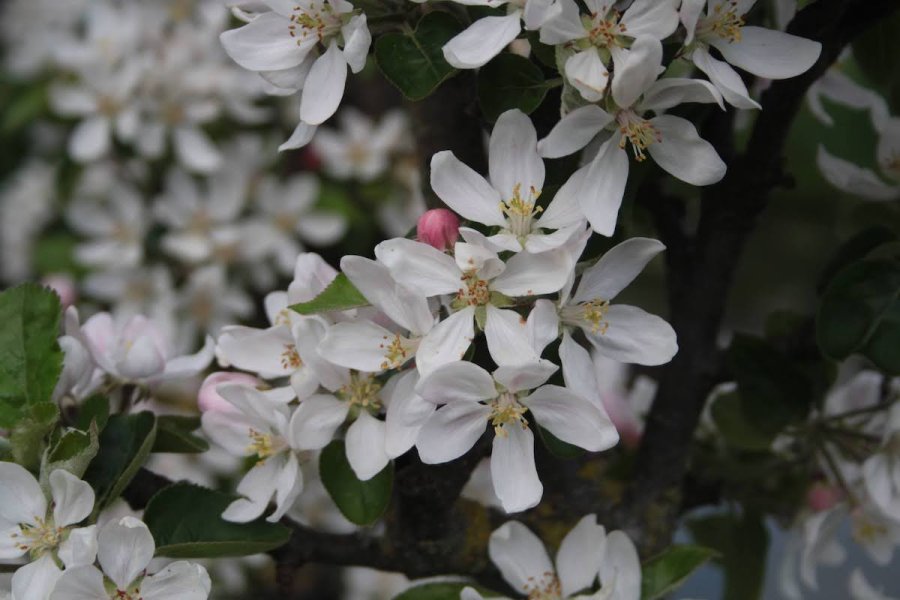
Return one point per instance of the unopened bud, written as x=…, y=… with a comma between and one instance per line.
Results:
x=64, y=286
x=208, y=399
x=823, y=496
x=438, y=227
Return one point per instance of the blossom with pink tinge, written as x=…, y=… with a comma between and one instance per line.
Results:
x=209, y=399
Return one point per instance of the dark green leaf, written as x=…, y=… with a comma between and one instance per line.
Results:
x=185, y=520
x=854, y=249
x=728, y=414
x=742, y=543
x=665, y=572
x=860, y=312
x=29, y=434
x=94, y=409
x=362, y=502
x=443, y=590
x=510, y=81
x=173, y=434
x=413, y=61
x=30, y=358
x=340, y=294
x=876, y=52
x=124, y=446
x=27, y=106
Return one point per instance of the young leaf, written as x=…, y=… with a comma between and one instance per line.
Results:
x=665, y=572
x=185, y=520
x=860, y=312
x=413, y=61
x=124, y=446
x=73, y=453
x=510, y=81
x=173, y=434
x=340, y=294
x=362, y=502
x=30, y=358
x=28, y=435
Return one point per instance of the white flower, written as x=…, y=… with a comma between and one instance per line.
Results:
x=597, y=188
x=208, y=302
x=837, y=87
x=509, y=201
x=881, y=471
x=472, y=397
x=876, y=532
x=487, y=37
x=283, y=46
x=42, y=530
x=859, y=181
x=584, y=553
x=480, y=283
x=26, y=206
x=361, y=149
x=125, y=550
x=259, y=428
x=116, y=225
x=860, y=588
x=603, y=35
x=763, y=52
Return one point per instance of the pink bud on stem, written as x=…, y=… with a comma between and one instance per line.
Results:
x=438, y=227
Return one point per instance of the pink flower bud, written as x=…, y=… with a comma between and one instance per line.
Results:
x=622, y=415
x=64, y=286
x=822, y=496
x=438, y=227
x=208, y=399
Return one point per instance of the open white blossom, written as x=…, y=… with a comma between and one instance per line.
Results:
x=860, y=181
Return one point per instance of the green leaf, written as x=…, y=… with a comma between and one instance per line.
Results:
x=29, y=434
x=73, y=453
x=665, y=572
x=124, y=446
x=442, y=590
x=30, y=358
x=510, y=81
x=28, y=105
x=93, y=409
x=173, y=434
x=728, y=414
x=742, y=543
x=362, y=502
x=340, y=294
x=185, y=520
x=774, y=392
x=855, y=249
x=860, y=313
x=413, y=61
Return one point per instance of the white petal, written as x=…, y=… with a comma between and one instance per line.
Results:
x=580, y=555
x=419, y=267
x=483, y=261
x=257, y=488
x=195, y=150
x=374, y=281
x=366, y=446
x=264, y=44
x=183, y=580
x=621, y=565
x=73, y=498
x=636, y=69
x=315, y=421
x=513, y=156
x=572, y=418
x=724, y=78
x=80, y=583
x=519, y=555
x=324, y=86
x=470, y=594
x=451, y=431
x=602, y=187
x=80, y=548
x=301, y=136
x=454, y=382
x=853, y=179
x=288, y=485
x=616, y=269
x=524, y=376
x=447, y=342
x=585, y=70
x=407, y=412
x=360, y=345
x=182, y=367
x=538, y=12
x=513, y=472
x=507, y=337
x=689, y=15
x=769, y=53
x=542, y=325
x=36, y=580
x=635, y=336
x=574, y=131
x=565, y=26
x=357, y=40
x=464, y=190
x=683, y=153
x=308, y=333
x=482, y=40
x=656, y=18
x=672, y=91
x=529, y=274
x=126, y=548
x=21, y=498
x=578, y=370
x=91, y=139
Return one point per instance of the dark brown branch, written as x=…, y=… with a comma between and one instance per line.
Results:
x=701, y=280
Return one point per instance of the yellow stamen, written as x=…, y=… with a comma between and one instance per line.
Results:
x=39, y=538
x=396, y=352
x=637, y=131
x=290, y=358
x=362, y=391
x=724, y=22
x=547, y=587
x=262, y=445
x=505, y=409
x=521, y=211
x=474, y=292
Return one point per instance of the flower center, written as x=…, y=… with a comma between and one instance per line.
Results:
x=637, y=131
x=264, y=445
x=474, y=292
x=290, y=358
x=592, y=312
x=506, y=409
x=867, y=530
x=604, y=30
x=545, y=588
x=362, y=392
x=724, y=22
x=521, y=211
x=317, y=20
x=39, y=538
x=396, y=351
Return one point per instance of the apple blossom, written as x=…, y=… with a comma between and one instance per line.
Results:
x=439, y=228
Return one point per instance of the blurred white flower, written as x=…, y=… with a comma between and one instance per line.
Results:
x=361, y=149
